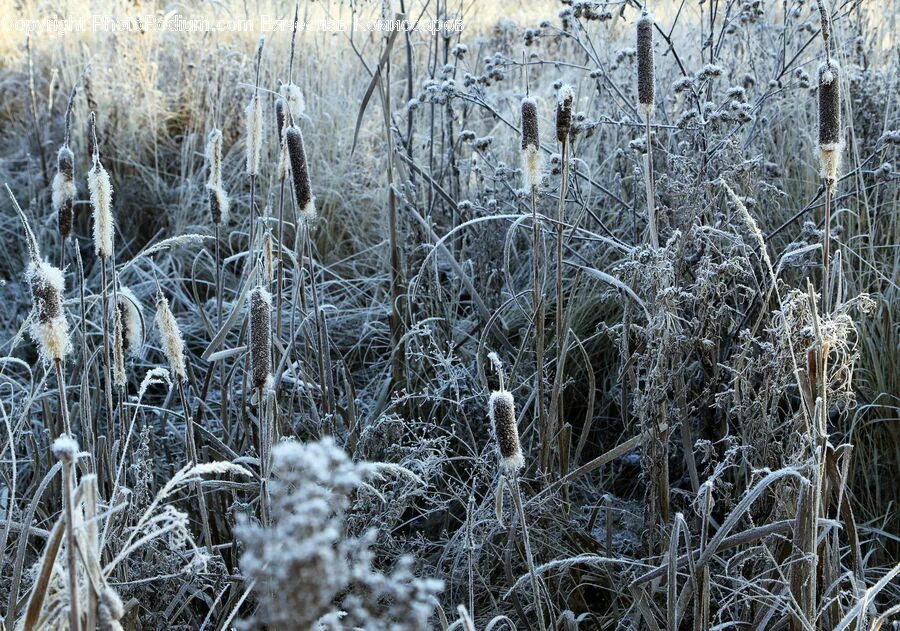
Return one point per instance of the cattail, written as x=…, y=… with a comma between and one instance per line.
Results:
x=214, y=157
x=120, y=379
x=829, y=119
x=302, y=189
x=281, y=116
x=219, y=204
x=826, y=22
x=128, y=336
x=261, y=338
x=268, y=257
x=502, y=410
x=110, y=610
x=645, y=61
x=49, y=327
x=564, y=99
x=295, y=101
x=254, y=117
x=531, y=157
x=101, y=201
x=64, y=190
x=170, y=336
x=65, y=448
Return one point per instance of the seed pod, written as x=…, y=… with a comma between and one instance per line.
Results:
x=118, y=364
x=502, y=411
x=295, y=101
x=531, y=157
x=300, y=173
x=281, y=116
x=49, y=327
x=261, y=339
x=254, y=135
x=170, y=337
x=101, y=201
x=268, y=257
x=564, y=100
x=645, y=61
x=829, y=119
x=129, y=307
x=64, y=191
x=219, y=204
x=65, y=448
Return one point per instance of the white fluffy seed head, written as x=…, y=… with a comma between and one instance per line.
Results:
x=65, y=448
x=170, y=337
x=49, y=328
x=219, y=204
x=132, y=321
x=531, y=166
x=295, y=101
x=101, y=201
x=214, y=157
x=254, y=115
x=502, y=412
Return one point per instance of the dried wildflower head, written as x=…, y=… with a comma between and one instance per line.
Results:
x=65, y=448
x=49, y=328
x=295, y=101
x=829, y=119
x=129, y=309
x=531, y=156
x=281, y=116
x=564, y=99
x=101, y=201
x=64, y=190
x=300, y=172
x=502, y=411
x=170, y=337
x=825, y=20
x=110, y=610
x=645, y=61
x=118, y=351
x=254, y=130
x=261, y=339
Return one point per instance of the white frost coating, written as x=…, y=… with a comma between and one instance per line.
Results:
x=49, y=328
x=65, y=448
x=254, y=130
x=214, y=157
x=63, y=190
x=531, y=166
x=132, y=321
x=101, y=201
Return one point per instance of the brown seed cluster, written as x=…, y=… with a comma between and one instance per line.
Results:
x=564, y=101
x=261, y=338
x=645, y=61
x=829, y=104
x=64, y=191
x=502, y=410
x=299, y=170
x=530, y=136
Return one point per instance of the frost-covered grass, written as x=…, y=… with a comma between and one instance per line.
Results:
x=380, y=362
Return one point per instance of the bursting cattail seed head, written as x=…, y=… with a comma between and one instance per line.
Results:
x=300, y=173
x=65, y=448
x=214, y=157
x=261, y=339
x=219, y=204
x=101, y=201
x=645, y=70
x=295, y=101
x=118, y=359
x=531, y=156
x=63, y=195
x=829, y=119
x=564, y=100
x=49, y=327
x=502, y=411
x=281, y=116
x=170, y=337
x=254, y=130
x=132, y=321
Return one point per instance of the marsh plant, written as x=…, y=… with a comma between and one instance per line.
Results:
x=582, y=317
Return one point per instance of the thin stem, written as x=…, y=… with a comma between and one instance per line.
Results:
x=195, y=459
x=529, y=560
x=538, y=305
x=71, y=558
x=106, y=347
x=826, y=249
x=63, y=404
x=648, y=177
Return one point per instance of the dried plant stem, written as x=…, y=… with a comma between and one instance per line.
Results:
x=648, y=180
x=560, y=225
x=396, y=276
x=526, y=543
x=279, y=298
x=193, y=456
x=68, y=481
x=107, y=364
x=826, y=248
x=63, y=404
x=321, y=338
x=538, y=304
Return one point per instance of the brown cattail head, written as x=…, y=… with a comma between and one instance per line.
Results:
x=261, y=339
x=645, y=61
x=219, y=204
x=502, y=411
x=129, y=308
x=49, y=327
x=300, y=173
x=564, y=99
x=64, y=190
x=531, y=156
x=829, y=119
x=281, y=116
x=118, y=363
x=101, y=201
x=170, y=337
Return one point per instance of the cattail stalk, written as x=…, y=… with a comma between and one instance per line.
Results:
x=63, y=197
x=282, y=115
x=531, y=168
x=173, y=349
x=502, y=414
x=830, y=147
x=645, y=80
x=219, y=205
x=66, y=450
x=254, y=148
